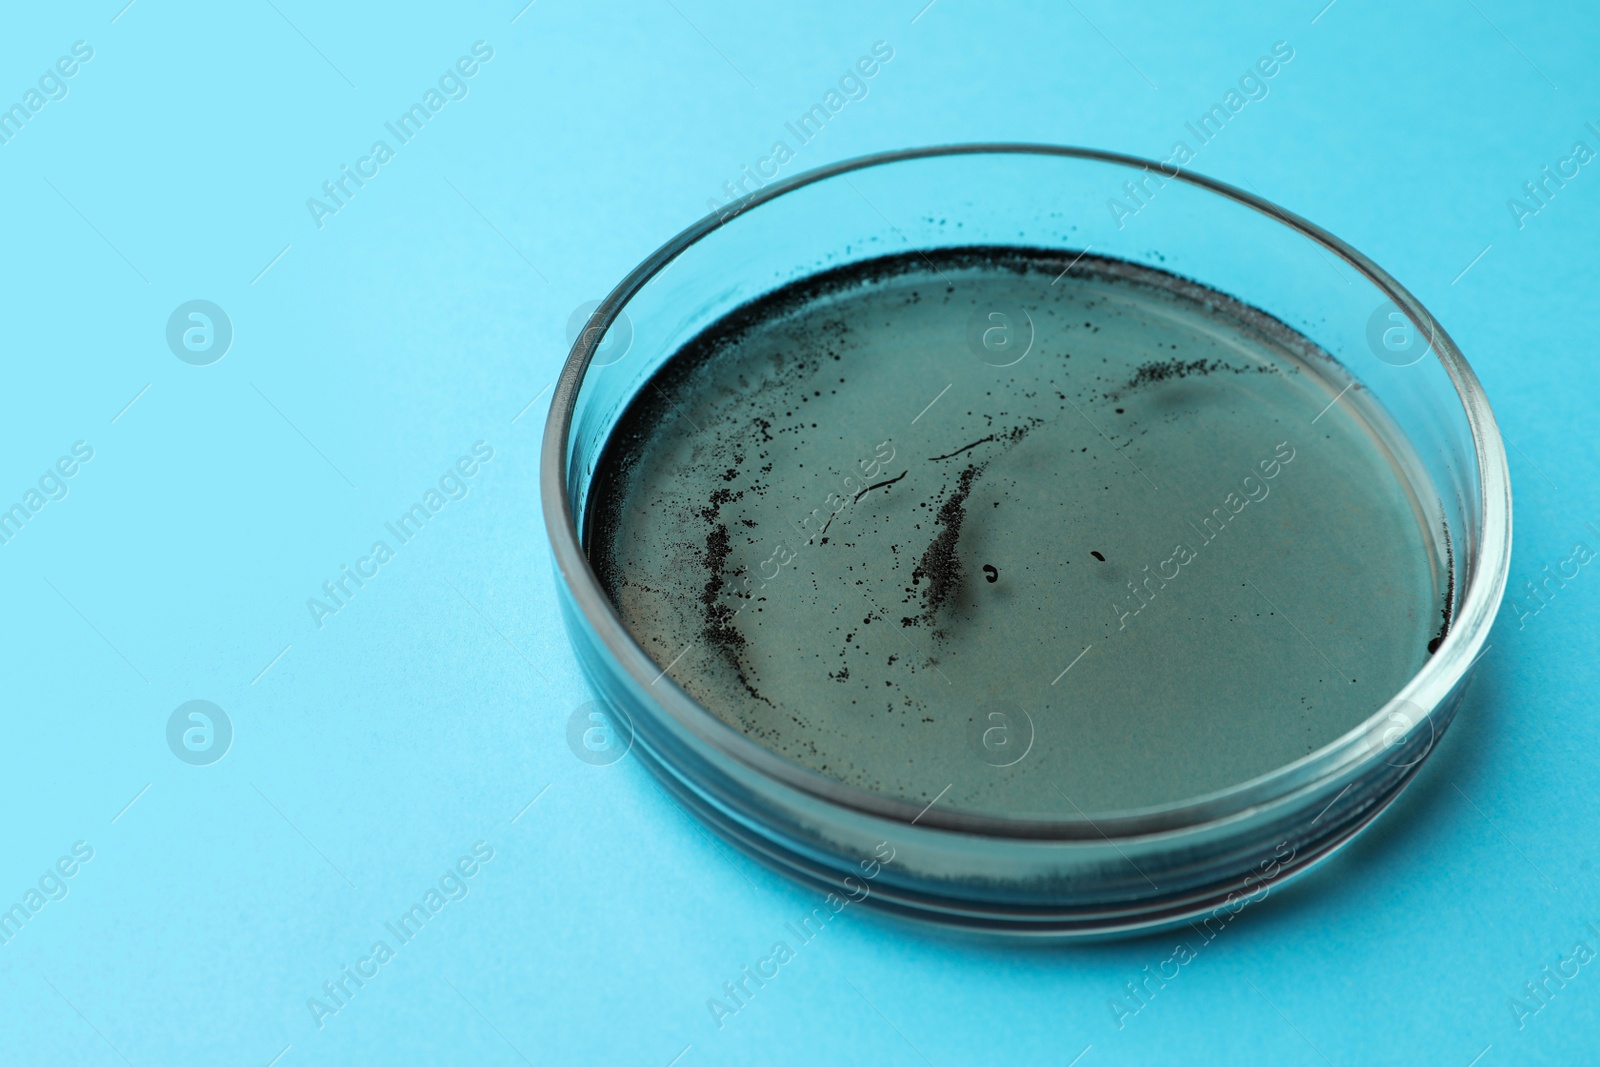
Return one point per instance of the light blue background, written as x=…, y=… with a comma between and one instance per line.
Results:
x=427, y=713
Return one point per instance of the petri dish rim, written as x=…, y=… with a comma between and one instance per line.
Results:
x=1485, y=566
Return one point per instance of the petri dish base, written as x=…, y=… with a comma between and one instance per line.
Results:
x=1017, y=565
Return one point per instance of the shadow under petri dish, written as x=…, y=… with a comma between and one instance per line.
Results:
x=1041, y=541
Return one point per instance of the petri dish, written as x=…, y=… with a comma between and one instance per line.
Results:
x=1030, y=540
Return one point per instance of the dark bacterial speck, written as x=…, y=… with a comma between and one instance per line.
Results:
x=990, y=573
x=1098, y=556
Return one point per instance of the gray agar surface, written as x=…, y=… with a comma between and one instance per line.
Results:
x=963, y=527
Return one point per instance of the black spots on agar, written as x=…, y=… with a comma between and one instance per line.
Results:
x=1173, y=369
x=1158, y=370
x=990, y=573
x=941, y=564
x=717, y=618
x=719, y=630
x=1097, y=556
x=1119, y=411
x=1449, y=593
x=714, y=504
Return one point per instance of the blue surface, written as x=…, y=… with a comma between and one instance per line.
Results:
x=369, y=754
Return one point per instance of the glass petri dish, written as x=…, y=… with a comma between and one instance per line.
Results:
x=1113, y=697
